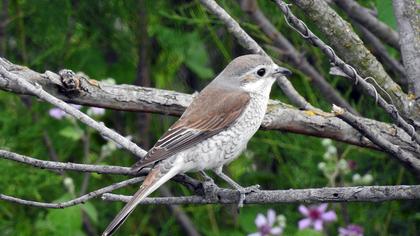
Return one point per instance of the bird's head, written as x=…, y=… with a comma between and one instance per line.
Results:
x=253, y=73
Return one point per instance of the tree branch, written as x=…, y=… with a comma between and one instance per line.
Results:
x=279, y=116
x=363, y=17
x=408, y=19
x=228, y=196
x=61, y=166
x=343, y=194
x=380, y=52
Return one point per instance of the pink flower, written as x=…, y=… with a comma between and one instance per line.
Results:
x=265, y=224
x=56, y=113
x=351, y=230
x=316, y=216
x=59, y=114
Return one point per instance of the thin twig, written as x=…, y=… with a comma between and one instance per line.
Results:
x=80, y=200
x=363, y=16
x=54, y=165
x=100, y=169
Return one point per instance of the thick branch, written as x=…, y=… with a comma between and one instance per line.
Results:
x=228, y=196
x=249, y=43
x=132, y=98
x=408, y=19
x=348, y=45
x=343, y=194
x=380, y=52
x=363, y=16
x=292, y=55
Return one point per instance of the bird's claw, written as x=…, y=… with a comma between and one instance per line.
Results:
x=243, y=191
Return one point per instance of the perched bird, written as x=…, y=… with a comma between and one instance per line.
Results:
x=213, y=130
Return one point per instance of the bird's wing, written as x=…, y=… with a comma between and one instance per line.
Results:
x=212, y=111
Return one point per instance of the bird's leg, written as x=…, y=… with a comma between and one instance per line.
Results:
x=209, y=187
x=242, y=191
x=206, y=177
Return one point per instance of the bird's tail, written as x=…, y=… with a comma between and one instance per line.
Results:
x=154, y=180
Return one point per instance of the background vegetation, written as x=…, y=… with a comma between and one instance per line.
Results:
x=186, y=48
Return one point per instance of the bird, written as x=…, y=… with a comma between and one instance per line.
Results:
x=213, y=130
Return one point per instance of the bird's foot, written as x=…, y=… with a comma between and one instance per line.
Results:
x=246, y=190
x=210, y=190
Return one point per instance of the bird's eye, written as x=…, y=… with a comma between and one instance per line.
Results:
x=261, y=72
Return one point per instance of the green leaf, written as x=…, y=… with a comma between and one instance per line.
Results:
x=308, y=232
x=71, y=133
x=67, y=221
x=90, y=210
x=386, y=12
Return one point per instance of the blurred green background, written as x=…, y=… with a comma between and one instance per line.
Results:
x=183, y=47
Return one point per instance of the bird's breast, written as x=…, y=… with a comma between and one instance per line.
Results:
x=227, y=145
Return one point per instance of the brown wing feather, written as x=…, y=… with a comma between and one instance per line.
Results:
x=202, y=119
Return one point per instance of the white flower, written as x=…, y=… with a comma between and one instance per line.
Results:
x=367, y=179
x=326, y=142
x=327, y=156
x=343, y=165
x=281, y=221
x=69, y=184
x=356, y=178
x=322, y=165
x=332, y=150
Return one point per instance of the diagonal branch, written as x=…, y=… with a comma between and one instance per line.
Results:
x=363, y=17
x=380, y=52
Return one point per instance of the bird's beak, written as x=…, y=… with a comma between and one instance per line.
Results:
x=282, y=71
